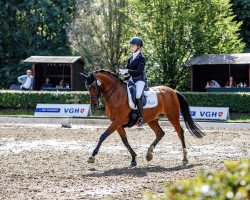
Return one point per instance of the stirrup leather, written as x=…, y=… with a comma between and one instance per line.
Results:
x=140, y=121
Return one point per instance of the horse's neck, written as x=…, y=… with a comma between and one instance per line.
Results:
x=112, y=88
x=106, y=81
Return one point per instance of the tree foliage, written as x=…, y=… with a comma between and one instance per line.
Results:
x=31, y=27
x=242, y=10
x=233, y=183
x=97, y=33
x=174, y=30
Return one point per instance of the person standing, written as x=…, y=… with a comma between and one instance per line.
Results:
x=135, y=69
x=26, y=80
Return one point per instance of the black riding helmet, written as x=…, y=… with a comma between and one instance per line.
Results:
x=137, y=41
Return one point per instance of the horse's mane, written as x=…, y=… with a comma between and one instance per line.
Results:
x=111, y=73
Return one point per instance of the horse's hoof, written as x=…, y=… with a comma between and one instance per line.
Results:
x=149, y=157
x=91, y=159
x=133, y=164
x=185, y=162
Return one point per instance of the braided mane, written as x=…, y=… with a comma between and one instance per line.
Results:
x=111, y=73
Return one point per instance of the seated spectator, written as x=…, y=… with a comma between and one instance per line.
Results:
x=212, y=84
x=230, y=83
x=209, y=85
x=215, y=84
x=47, y=84
x=61, y=84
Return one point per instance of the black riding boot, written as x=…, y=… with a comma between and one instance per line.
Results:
x=140, y=111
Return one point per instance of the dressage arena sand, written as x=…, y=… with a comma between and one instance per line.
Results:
x=45, y=161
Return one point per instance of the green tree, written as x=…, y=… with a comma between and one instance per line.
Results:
x=31, y=27
x=174, y=30
x=242, y=10
x=97, y=33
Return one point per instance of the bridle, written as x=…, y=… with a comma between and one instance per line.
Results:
x=99, y=89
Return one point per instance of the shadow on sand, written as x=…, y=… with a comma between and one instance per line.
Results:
x=140, y=171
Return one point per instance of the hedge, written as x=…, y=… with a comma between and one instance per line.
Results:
x=237, y=102
x=29, y=99
x=233, y=183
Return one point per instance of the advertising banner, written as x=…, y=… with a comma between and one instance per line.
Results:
x=62, y=110
x=213, y=113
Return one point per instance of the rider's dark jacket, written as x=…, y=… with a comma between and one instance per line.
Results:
x=136, y=68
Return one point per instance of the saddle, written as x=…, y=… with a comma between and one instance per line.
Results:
x=149, y=100
x=149, y=97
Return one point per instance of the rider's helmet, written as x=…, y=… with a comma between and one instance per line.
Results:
x=136, y=40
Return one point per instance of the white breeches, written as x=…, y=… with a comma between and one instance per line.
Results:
x=139, y=88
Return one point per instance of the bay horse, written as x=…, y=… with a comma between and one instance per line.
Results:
x=114, y=91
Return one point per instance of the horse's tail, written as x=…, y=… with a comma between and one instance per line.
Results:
x=193, y=128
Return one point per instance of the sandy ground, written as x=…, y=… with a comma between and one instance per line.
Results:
x=49, y=162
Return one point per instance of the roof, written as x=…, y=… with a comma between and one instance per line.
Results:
x=53, y=59
x=219, y=59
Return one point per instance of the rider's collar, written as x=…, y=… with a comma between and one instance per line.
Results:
x=136, y=54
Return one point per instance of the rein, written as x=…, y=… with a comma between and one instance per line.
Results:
x=112, y=89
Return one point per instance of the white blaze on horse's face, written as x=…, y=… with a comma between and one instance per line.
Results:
x=98, y=83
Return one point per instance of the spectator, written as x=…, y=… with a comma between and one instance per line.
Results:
x=61, y=84
x=212, y=84
x=47, y=84
x=215, y=84
x=230, y=83
x=26, y=81
x=209, y=85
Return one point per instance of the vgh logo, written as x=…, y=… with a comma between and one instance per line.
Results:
x=73, y=110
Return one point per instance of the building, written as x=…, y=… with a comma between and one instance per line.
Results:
x=219, y=67
x=56, y=68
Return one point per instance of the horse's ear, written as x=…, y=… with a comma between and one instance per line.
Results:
x=92, y=76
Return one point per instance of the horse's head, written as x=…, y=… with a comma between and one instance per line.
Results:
x=101, y=81
x=93, y=86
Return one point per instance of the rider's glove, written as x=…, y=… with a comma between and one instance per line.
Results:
x=123, y=71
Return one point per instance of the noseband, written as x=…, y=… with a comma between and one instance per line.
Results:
x=98, y=89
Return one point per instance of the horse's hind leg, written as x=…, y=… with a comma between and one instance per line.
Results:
x=123, y=135
x=154, y=125
x=176, y=124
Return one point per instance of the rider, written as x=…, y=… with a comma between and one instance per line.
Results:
x=135, y=68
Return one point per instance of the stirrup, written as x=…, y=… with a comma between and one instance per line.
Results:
x=140, y=121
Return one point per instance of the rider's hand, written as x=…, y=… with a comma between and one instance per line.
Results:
x=123, y=71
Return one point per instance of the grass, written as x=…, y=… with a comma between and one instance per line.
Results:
x=234, y=117
x=17, y=112
x=239, y=117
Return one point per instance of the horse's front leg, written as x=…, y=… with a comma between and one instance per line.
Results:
x=113, y=126
x=123, y=135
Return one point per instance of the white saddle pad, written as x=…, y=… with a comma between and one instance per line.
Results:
x=152, y=100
